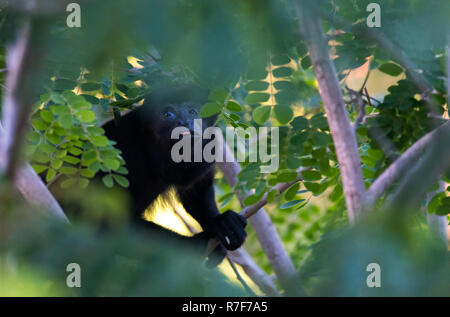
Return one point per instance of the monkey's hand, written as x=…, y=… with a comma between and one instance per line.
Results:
x=229, y=228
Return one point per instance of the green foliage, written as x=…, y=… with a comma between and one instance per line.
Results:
x=65, y=140
x=412, y=263
x=114, y=263
x=253, y=83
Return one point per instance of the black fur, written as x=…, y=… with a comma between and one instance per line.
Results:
x=143, y=136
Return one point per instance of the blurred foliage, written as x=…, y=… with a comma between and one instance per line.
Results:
x=412, y=262
x=117, y=262
x=251, y=57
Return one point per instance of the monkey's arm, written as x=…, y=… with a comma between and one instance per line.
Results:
x=199, y=201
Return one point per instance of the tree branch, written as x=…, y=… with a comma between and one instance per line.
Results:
x=403, y=163
x=264, y=230
x=16, y=101
x=425, y=173
x=341, y=129
x=264, y=282
x=16, y=109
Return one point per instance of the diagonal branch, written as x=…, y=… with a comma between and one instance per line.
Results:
x=403, y=163
x=16, y=109
x=16, y=101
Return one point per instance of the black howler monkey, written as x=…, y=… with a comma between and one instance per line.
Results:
x=144, y=137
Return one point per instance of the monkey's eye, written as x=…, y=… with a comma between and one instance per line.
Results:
x=193, y=111
x=168, y=114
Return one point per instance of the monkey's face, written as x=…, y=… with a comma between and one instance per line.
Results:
x=175, y=121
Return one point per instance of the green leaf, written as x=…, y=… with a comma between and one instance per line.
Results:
x=291, y=192
x=283, y=114
x=33, y=137
x=280, y=60
x=81, y=104
x=291, y=204
x=89, y=155
x=90, y=86
x=108, y=181
x=61, y=153
x=83, y=182
x=391, y=69
x=64, y=84
x=306, y=62
x=252, y=199
x=47, y=148
x=46, y=115
x=257, y=72
x=57, y=98
x=282, y=72
x=59, y=109
x=443, y=210
x=293, y=162
x=71, y=160
x=224, y=197
x=318, y=121
x=68, y=183
x=300, y=138
x=38, y=168
x=86, y=116
x=210, y=109
x=219, y=95
x=435, y=202
x=68, y=170
x=255, y=98
x=53, y=138
x=256, y=85
x=121, y=180
x=321, y=138
x=87, y=173
x=336, y=193
x=261, y=114
x=56, y=163
x=65, y=121
x=125, y=103
x=315, y=188
x=94, y=166
x=99, y=140
x=51, y=173
x=112, y=164
x=287, y=176
x=39, y=124
x=95, y=130
x=234, y=117
x=233, y=106
x=299, y=124
x=311, y=175
x=75, y=151
x=91, y=99
x=122, y=170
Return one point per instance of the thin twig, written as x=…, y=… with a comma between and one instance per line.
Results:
x=239, y=277
x=249, y=211
x=365, y=82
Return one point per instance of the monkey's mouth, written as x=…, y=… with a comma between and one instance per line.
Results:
x=191, y=133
